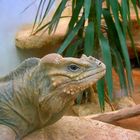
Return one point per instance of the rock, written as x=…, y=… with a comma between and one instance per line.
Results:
x=127, y=118
x=124, y=102
x=75, y=128
x=89, y=108
x=86, y=109
x=112, y=116
x=25, y=40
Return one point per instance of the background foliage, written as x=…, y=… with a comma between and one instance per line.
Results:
x=96, y=28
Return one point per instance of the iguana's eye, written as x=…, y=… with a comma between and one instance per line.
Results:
x=73, y=67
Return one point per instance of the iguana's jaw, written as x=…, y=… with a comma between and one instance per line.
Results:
x=78, y=84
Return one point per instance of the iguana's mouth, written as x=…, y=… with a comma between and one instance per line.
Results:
x=74, y=86
x=95, y=76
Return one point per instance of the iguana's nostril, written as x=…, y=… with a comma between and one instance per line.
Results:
x=98, y=63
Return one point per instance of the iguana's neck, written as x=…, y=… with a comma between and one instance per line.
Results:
x=24, y=87
x=50, y=102
x=53, y=106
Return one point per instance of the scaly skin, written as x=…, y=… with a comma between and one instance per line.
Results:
x=39, y=91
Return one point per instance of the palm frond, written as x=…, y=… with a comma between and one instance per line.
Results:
x=114, y=16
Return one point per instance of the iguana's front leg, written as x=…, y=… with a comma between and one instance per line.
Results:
x=6, y=133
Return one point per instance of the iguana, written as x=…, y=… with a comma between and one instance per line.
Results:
x=38, y=92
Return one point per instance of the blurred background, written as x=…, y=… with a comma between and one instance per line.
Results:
x=14, y=14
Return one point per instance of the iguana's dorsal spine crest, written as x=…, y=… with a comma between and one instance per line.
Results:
x=26, y=65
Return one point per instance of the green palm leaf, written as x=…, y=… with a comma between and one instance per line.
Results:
x=71, y=50
x=108, y=62
x=118, y=65
x=75, y=14
x=89, y=39
x=87, y=35
x=71, y=35
x=56, y=16
x=100, y=90
x=114, y=7
x=87, y=6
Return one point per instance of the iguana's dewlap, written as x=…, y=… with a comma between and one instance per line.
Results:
x=39, y=91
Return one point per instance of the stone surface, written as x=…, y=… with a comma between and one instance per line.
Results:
x=124, y=102
x=75, y=128
x=89, y=108
x=25, y=40
x=109, y=117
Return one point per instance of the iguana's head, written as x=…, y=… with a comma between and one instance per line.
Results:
x=71, y=75
x=58, y=80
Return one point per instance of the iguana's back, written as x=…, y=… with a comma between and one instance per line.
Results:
x=24, y=67
x=12, y=104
